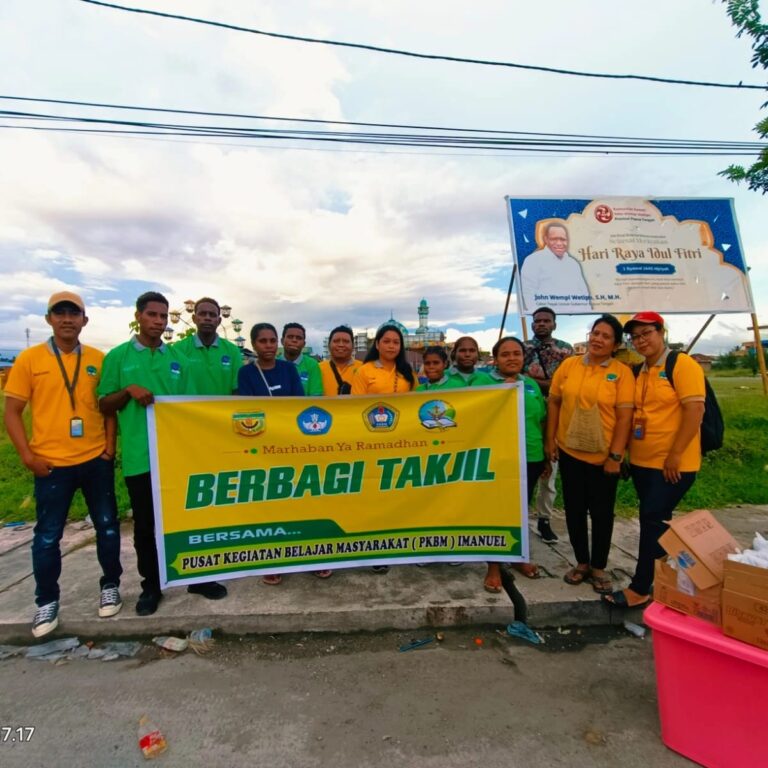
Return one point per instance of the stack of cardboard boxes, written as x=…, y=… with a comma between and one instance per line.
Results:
x=706, y=584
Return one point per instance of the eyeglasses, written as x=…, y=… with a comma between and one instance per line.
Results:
x=635, y=337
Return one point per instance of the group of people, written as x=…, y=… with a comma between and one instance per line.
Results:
x=580, y=412
x=605, y=418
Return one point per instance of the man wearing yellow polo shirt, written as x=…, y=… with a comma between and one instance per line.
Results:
x=72, y=446
x=665, y=445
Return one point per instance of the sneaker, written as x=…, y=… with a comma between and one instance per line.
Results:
x=548, y=536
x=148, y=602
x=109, y=602
x=210, y=589
x=46, y=619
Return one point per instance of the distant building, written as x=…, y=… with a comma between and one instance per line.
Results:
x=415, y=342
x=705, y=361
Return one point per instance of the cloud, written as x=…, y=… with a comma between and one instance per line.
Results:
x=324, y=237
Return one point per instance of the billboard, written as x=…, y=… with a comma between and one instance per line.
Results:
x=627, y=254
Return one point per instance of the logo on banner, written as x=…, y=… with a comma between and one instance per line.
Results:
x=249, y=424
x=381, y=417
x=437, y=414
x=314, y=421
x=604, y=213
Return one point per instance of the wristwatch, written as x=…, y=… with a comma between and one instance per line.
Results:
x=615, y=457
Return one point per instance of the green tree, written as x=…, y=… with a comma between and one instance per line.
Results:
x=726, y=362
x=745, y=16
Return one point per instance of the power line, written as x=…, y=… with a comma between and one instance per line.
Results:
x=429, y=56
x=749, y=145
x=621, y=146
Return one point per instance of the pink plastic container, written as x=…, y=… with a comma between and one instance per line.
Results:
x=713, y=691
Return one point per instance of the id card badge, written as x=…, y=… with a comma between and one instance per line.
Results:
x=638, y=429
x=75, y=427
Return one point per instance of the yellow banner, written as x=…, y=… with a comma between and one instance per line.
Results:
x=272, y=485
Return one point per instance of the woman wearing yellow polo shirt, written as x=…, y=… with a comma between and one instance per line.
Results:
x=665, y=448
x=590, y=415
x=385, y=370
x=340, y=369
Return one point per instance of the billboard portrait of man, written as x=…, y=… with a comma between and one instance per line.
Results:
x=551, y=277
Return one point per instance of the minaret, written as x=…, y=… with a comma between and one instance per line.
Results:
x=423, y=316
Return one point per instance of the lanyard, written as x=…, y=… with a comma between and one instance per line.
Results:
x=264, y=379
x=588, y=375
x=647, y=378
x=69, y=385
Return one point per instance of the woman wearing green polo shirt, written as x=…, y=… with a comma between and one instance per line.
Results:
x=509, y=356
x=465, y=355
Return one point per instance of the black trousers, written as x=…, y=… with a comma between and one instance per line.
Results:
x=140, y=494
x=658, y=499
x=588, y=492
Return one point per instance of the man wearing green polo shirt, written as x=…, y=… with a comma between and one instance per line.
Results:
x=293, y=340
x=213, y=361
x=132, y=374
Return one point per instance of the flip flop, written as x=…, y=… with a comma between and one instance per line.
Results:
x=602, y=585
x=529, y=570
x=272, y=579
x=577, y=576
x=492, y=586
x=323, y=574
x=619, y=600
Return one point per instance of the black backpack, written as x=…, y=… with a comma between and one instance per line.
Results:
x=712, y=426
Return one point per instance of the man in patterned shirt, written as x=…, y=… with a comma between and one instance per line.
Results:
x=543, y=354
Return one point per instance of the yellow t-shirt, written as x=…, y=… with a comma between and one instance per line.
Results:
x=579, y=382
x=36, y=379
x=347, y=373
x=374, y=379
x=658, y=402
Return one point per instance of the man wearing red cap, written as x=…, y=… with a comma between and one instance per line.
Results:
x=72, y=446
x=665, y=446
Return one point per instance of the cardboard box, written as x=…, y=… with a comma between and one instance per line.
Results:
x=675, y=590
x=700, y=545
x=745, y=603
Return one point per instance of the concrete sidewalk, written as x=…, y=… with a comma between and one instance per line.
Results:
x=351, y=600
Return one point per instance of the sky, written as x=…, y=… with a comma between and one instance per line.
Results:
x=323, y=234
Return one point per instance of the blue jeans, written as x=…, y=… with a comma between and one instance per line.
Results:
x=658, y=499
x=53, y=494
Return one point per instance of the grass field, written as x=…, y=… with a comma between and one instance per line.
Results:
x=736, y=474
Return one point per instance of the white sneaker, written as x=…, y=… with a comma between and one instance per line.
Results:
x=46, y=619
x=109, y=602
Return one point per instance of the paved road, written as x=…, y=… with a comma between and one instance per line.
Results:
x=350, y=701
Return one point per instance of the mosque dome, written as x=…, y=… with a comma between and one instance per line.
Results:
x=397, y=325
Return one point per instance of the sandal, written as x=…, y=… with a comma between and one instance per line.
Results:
x=602, y=584
x=492, y=582
x=529, y=570
x=272, y=579
x=619, y=600
x=577, y=576
x=323, y=574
